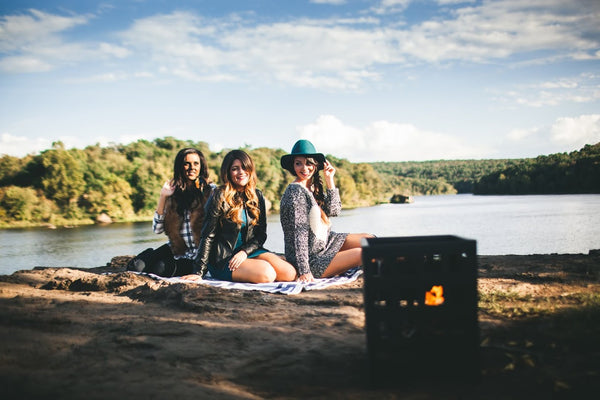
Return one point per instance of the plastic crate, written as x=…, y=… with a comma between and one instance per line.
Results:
x=406, y=337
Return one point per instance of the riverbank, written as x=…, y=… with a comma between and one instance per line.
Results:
x=80, y=333
x=70, y=223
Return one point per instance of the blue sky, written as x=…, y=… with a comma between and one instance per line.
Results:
x=387, y=80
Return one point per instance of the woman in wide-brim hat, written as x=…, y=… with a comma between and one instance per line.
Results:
x=310, y=245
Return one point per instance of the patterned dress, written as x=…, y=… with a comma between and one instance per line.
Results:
x=310, y=245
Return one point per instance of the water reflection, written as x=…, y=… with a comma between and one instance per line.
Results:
x=500, y=224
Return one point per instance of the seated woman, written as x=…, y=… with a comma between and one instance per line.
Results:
x=179, y=214
x=310, y=245
x=235, y=229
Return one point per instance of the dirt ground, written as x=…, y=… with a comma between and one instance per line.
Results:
x=67, y=333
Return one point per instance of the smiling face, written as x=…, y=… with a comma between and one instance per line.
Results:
x=191, y=166
x=237, y=175
x=304, y=169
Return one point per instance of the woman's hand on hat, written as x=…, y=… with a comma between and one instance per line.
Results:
x=329, y=172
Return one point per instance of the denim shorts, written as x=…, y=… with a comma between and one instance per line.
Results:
x=222, y=274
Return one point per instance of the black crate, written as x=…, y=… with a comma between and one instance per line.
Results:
x=406, y=338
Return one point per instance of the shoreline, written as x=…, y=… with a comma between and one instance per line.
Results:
x=81, y=333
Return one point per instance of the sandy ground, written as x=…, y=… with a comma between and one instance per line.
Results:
x=82, y=334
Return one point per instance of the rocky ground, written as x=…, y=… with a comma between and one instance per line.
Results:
x=67, y=333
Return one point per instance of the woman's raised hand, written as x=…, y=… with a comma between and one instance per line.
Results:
x=168, y=189
x=329, y=172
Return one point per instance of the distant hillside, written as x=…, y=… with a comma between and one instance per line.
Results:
x=575, y=172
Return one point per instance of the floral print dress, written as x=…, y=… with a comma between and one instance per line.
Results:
x=310, y=245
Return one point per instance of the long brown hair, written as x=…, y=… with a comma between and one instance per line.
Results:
x=239, y=200
x=188, y=194
x=317, y=187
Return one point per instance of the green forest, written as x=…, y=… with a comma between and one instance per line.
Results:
x=63, y=186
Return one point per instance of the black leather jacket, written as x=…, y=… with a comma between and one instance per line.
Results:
x=219, y=234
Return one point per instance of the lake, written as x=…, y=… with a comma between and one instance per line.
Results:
x=501, y=225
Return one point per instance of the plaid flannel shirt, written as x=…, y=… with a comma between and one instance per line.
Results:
x=158, y=226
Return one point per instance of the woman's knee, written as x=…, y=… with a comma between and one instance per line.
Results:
x=286, y=274
x=265, y=273
x=354, y=240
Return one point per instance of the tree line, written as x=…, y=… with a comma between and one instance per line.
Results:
x=561, y=173
x=73, y=186
x=63, y=186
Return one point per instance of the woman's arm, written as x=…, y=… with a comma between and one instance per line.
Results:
x=333, y=203
x=296, y=228
x=259, y=231
x=209, y=232
x=166, y=191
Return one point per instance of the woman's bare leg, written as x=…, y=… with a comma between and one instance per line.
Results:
x=343, y=261
x=349, y=256
x=284, y=270
x=253, y=270
x=353, y=240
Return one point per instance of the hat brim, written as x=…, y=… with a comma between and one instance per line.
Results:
x=287, y=161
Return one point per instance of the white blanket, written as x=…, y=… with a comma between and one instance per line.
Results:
x=275, y=287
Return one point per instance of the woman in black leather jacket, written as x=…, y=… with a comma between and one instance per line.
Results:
x=235, y=229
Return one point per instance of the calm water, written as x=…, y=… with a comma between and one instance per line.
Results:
x=500, y=224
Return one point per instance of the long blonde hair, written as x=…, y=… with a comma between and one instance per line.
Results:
x=236, y=200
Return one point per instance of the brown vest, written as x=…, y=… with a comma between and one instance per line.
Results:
x=174, y=222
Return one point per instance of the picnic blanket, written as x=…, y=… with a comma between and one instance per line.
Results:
x=274, y=287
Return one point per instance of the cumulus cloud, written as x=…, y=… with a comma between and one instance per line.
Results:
x=347, y=53
x=584, y=88
x=20, y=146
x=302, y=53
x=34, y=42
x=384, y=141
x=575, y=132
x=343, y=53
x=500, y=29
x=333, y=2
x=565, y=134
x=18, y=31
x=521, y=134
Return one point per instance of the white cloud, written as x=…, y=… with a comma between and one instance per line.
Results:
x=19, y=146
x=584, y=88
x=391, y=6
x=521, y=134
x=447, y=2
x=347, y=53
x=18, y=31
x=499, y=29
x=322, y=53
x=21, y=64
x=303, y=53
x=332, y=2
x=578, y=131
x=34, y=42
x=384, y=141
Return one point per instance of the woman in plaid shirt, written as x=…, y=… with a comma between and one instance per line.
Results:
x=179, y=214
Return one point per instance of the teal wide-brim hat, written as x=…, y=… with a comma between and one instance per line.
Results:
x=302, y=148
